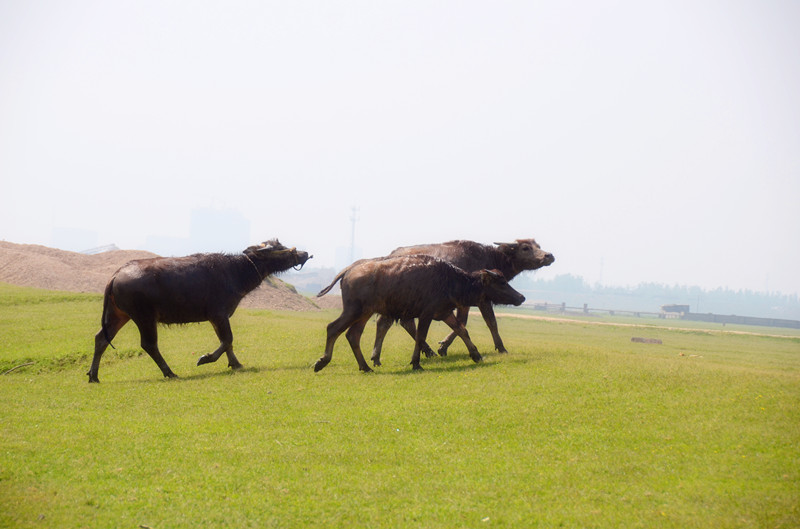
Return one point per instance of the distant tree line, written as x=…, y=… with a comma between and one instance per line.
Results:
x=575, y=291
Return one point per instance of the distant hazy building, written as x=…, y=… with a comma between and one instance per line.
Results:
x=345, y=256
x=210, y=230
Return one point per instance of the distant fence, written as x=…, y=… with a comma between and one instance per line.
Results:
x=689, y=316
x=562, y=307
x=741, y=320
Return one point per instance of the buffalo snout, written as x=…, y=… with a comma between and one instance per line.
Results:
x=301, y=257
x=497, y=289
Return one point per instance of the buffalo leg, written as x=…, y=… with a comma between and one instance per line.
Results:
x=115, y=322
x=222, y=327
x=354, y=338
x=422, y=333
x=149, y=337
x=491, y=321
x=334, y=330
x=460, y=330
x=411, y=329
x=381, y=328
x=462, y=313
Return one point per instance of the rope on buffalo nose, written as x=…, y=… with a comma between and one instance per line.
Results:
x=297, y=262
x=254, y=266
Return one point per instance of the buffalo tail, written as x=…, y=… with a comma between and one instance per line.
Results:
x=103, y=326
x=335, y=280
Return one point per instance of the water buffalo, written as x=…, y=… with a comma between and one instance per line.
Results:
x=407, y=287
x=200, y=287
x=509, y=258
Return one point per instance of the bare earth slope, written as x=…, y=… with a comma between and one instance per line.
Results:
x=48, y=268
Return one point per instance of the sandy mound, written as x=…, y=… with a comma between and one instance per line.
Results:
x=329, y=301
x=276, y=295
x=52, y=269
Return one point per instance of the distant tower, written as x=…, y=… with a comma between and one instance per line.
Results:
x=353, y=219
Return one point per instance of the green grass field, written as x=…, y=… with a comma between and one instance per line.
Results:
x=576, y=427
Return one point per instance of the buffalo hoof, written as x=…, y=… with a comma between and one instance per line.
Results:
x=429, y=353
x=476, y=358
x=416, y=367
x=365, y=368
x=502, y=351
x=443, y=349
x=376, y=362
x=237, y=365
x=170, y=374
x=93, y=378
x=321, y=363
x=205, y=359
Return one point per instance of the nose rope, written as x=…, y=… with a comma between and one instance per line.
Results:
x=297, y=262
x=254, y=266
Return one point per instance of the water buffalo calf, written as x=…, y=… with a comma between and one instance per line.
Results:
x=509, y=258
x=407, y=287
x=201, y=287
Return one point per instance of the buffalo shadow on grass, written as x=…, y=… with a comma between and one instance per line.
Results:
x=462, y=362
x=183, y=378
x=452, y=363
x=443, y=364
x=211, y=374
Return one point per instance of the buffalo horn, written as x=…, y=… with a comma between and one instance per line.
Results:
x=511, y=244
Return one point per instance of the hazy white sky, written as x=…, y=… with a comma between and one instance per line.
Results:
x=637, y=141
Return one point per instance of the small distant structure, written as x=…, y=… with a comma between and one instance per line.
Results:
x=675, y=308
x=674, y=311
x=100, y=249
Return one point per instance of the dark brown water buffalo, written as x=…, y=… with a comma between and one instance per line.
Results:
x=201, y=287
x=509, y=258
x=408, y=287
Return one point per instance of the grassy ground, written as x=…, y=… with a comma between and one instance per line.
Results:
x=576, y=427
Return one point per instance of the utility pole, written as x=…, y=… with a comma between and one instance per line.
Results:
x=353, y=219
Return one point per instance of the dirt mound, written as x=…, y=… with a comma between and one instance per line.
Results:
x=48, y=268
x=274, y=294
x=329, y=301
